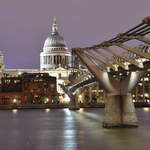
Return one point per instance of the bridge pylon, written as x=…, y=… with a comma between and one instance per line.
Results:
x=73, y=104
x=119, y=111
x=119, y=107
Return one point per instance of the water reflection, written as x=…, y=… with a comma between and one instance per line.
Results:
x=81, y=110
x=47, y=110
x=67, y=111
x=62, y=129
x=70, y=142
x=14, y=111
x=146, y=109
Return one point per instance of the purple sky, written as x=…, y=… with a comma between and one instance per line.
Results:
x=24, y=24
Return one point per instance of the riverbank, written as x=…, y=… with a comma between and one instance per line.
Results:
x=60, y=106
x=34, y=106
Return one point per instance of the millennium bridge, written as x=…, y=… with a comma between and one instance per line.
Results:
x=107, y=59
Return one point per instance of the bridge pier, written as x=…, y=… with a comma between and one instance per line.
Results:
x=74, y=105
x=119, y=111
x=112, y=116
x=129, y=117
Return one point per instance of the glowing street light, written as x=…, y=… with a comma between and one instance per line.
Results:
x=46, y=101
x=14, y=101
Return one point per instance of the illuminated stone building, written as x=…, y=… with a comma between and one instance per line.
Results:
x=28, y=88
x=55, y=52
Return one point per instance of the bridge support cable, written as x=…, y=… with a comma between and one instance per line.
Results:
x=133, y=50
x=124, y=57
x=143, y=39
x=110, y=61
x=109, y=58
x=99, y=64
x=106, y=63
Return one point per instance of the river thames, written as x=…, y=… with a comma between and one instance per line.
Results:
x=62, y=129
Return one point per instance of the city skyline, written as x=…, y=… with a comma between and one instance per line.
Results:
x=23, y=31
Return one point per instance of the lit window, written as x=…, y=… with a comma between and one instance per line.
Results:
x=16, y=81
x=7, y=81
x=146, y=79
x=140, y=84
x=146, y=95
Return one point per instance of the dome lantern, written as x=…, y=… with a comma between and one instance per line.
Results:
x=54, y=27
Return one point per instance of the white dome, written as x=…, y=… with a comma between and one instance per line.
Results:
x=54, y=40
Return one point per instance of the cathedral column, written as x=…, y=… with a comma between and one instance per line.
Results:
x=48, y=59
x=44, y=60
x=63, y=60
x=66, y=60
x=58, y=60
x=52, y=59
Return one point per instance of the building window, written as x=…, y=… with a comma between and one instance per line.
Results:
x=7, y=81
x=5, y=100
x=16, y=81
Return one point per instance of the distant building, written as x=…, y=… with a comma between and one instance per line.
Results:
x=55, y=52
x=1, y=61
x=34, y=88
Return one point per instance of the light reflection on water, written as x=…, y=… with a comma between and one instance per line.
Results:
x=14, y=111
x=62, y=129
x=81, y=110
x=69, y=131
x=146, y=109
x=47, y=110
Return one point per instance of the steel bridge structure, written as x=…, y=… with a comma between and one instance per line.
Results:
x=109, y=58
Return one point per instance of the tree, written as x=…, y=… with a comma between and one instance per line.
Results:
x=30, y=99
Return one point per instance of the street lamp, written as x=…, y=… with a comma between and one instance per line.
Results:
x=14, y=101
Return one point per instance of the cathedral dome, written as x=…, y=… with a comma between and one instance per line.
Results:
x=54, y=40
x=55, y=51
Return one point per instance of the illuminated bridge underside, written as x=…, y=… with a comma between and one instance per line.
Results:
x=73, y=91
x=119, y=108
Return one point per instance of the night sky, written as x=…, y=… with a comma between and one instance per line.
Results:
x=25, y=24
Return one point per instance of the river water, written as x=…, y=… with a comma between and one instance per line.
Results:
x=62, y=129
